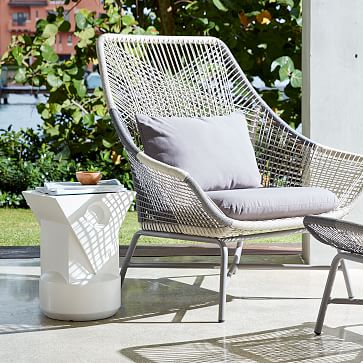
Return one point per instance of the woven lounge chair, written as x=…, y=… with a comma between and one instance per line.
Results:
x=198, y=76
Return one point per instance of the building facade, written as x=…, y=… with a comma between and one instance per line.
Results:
x=21, y=16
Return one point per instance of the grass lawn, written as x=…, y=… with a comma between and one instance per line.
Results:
x=19, y=227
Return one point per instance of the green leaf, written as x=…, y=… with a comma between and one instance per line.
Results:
x=105, y=155
x=46, y=114
x=81, y=20
x=35, y=81
x=138, y=31
x=115, y=19
x=87, y=33
x=48, y=53
x=54, y=81
x=88, y=120
x=126, y=30
x=128, y=20
x=18, y=56
x=204, y=20
x=76, y=115
x=41, y=107
x=35, y=52
x=100, y=110
x=49, y=31
x=72, y=71
x=107, y=143
x=151, y=30
x=80, y=87
x=20, y=75
x=296, y=78
x=299, y=21
x=55, y=108
x=52, y=130
x=65, y=26
x=85, y=37
x=286, y=2
x=282, y=61
x=66, y=78
x=218, y=4
x=284, y=72
x=50, y=41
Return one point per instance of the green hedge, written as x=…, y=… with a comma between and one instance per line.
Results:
x=27, y=161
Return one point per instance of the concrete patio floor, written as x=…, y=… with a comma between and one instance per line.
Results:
x=169, y=315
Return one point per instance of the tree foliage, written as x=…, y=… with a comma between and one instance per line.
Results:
x=76, y=124
x=263, y=35
x=76, y=132
x=265, y=38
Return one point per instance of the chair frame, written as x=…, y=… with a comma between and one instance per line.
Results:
x=198, y=76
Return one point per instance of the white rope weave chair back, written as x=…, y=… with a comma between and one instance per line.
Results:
x=168, y=76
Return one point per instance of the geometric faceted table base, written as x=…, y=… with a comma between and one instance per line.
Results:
x=79, y=253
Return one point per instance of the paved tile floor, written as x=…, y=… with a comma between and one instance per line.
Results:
x=169, y=315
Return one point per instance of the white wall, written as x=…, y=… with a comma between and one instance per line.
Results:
x=333, y=87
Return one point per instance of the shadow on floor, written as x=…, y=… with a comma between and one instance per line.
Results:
x=141, y=298
x=285, y=345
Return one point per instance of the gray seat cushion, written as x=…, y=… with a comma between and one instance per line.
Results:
x=216, y=151
x=272, y=203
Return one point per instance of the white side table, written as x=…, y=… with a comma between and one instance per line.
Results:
x=79, y=253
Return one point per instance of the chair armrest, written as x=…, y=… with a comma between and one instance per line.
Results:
x=163, y=168
x=169, y=195
x=339, y=171
x=287, y=158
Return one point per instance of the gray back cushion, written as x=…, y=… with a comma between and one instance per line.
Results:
x=216, y=151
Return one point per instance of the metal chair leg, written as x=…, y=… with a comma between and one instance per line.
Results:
x=327, y=292
x=347, y=279
x=129, y=253
x=223, y=281
x=225, y=274
x=236, y=258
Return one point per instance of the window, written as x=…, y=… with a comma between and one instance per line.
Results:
x=69, y=40
x=20, y=18
x=36, y=14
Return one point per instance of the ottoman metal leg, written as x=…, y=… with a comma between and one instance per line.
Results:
x=327, y=292
x=347, y=279
x=346, y=237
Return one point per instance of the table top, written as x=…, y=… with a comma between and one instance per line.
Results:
x=60, y=208
x=85, y=195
